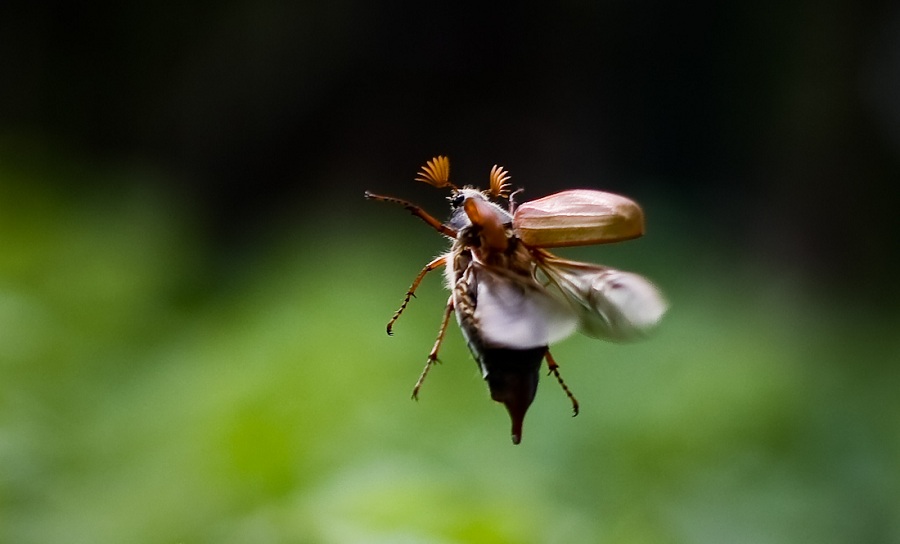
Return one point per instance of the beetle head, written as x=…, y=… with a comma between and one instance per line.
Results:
x=472, y=211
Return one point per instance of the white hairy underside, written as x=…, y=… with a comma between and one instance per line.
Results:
x=517, y=314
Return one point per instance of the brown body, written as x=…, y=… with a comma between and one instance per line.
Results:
x=488, y=247
x=512, y=298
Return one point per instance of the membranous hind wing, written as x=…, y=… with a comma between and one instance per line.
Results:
x=514, y=311
x=610, y=304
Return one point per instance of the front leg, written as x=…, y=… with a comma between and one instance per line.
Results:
x=417, y=211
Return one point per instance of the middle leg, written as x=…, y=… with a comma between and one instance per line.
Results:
x=433, y=356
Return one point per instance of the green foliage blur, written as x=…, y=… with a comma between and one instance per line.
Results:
x=193, y=291
x=149, y=396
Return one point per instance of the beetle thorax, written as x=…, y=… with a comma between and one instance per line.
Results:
x=515, y=261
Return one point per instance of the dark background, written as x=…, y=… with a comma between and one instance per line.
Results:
x=773, y=122
x=193, y=290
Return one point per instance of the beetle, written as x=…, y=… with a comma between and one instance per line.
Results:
x=512, y=298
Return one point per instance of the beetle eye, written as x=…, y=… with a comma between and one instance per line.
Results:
x=457, y=200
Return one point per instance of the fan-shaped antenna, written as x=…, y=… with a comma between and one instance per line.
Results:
x=499, y=182
x=436, y=172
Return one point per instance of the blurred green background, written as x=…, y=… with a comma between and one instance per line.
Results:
x=193, y=292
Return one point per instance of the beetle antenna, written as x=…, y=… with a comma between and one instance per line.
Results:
x=436, y=172
x=499, y=182
x=554, y=369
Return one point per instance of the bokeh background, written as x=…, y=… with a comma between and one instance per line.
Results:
x=193, y=291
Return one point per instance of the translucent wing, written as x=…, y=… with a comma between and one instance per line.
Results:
x=517, y=314
x=610, y=304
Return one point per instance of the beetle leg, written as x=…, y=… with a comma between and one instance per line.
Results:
x=417, y=211
x=437, y=263
x=512, y=200
x=554, y=369
x=432, y=357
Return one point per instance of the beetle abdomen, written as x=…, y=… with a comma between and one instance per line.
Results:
x=512, y=376
x=512, y=373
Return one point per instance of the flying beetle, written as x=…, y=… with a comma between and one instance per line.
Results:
x=512, y=298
